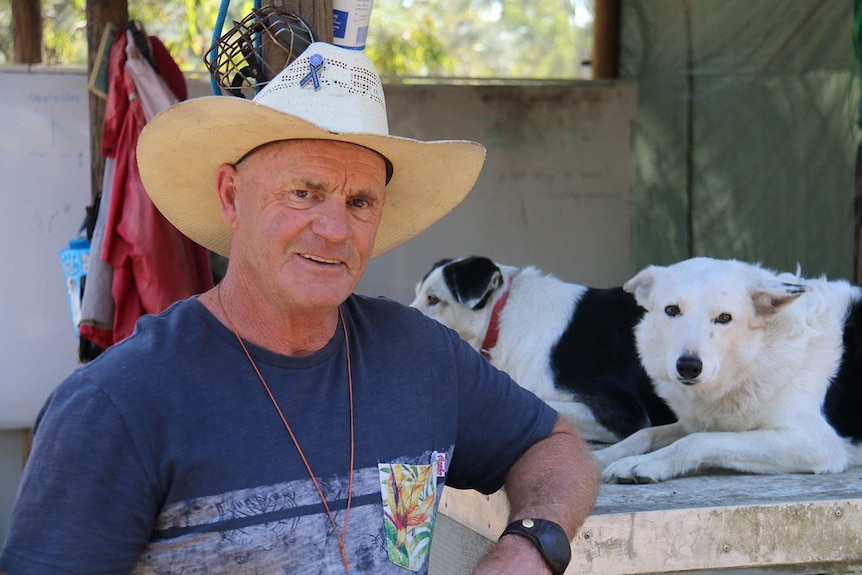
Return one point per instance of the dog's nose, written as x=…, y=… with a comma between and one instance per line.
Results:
x=689, y=367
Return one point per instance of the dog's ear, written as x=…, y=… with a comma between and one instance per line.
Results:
x=641, y=285
x=771, y=297
x=493, y=285
x=473, y=280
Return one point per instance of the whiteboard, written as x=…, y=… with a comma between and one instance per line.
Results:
x=45, y=186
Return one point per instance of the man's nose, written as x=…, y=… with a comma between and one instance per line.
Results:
x=332, y=220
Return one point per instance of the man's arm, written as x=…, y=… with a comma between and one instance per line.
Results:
x=556, y=479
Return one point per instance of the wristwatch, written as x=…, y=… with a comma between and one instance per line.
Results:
x=548, y=537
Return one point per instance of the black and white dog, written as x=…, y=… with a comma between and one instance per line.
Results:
x=763, y=370
x=571, y=345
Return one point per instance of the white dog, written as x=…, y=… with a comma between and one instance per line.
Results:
x=762, y=371
x=571, y=345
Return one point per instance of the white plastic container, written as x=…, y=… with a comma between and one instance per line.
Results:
x=350, y=19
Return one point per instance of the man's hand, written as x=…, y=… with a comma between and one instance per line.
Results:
x=556, y=479
x=513, y=555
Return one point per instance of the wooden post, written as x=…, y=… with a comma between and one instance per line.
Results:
x=99, y=13
x=316, y=14
x=606, y=39
x=27, y=31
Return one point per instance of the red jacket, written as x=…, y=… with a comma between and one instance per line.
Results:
x=154, y=264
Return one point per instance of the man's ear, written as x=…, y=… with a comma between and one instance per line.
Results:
x=227, y=179
x=641, y=285
x=771, y=297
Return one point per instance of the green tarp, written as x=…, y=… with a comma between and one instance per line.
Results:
x=746, y=133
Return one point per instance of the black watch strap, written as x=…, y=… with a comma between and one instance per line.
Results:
x=548, y=537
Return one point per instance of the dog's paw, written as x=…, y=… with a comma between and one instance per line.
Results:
x=607, y=455
x=637, y=469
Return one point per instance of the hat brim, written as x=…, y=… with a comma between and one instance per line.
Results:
x=180, y=150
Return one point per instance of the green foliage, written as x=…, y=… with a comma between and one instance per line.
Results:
x=405, y=44
x=545, y=39
x=186, y=26
x=64, y=32
x=481, y=38
x=6, y=44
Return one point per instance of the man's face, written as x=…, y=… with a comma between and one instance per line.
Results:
x=304, y=217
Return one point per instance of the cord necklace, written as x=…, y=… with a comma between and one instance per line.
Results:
x=339, y=536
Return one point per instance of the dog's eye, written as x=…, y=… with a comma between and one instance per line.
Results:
x=433, y=299
x=672, y=310
x=723, y=318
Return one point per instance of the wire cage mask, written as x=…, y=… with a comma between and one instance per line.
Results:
x=256, y=49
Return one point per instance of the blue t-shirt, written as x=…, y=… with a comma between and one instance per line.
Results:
x=165, y=455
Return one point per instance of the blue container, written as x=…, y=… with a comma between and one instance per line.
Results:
x=76, y=262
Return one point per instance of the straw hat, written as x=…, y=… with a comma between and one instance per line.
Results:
x=327, y=93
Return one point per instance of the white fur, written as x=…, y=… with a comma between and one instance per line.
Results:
x=538, y=309
x=756, y=406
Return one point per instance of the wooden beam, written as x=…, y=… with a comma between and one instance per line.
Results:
x=27, y=31
x=606, y=39
x=99, y=13
x=316, y=14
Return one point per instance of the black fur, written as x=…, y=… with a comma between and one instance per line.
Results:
x=845, y=392
x=596, y=359
x=438, y=264
x=473, y=278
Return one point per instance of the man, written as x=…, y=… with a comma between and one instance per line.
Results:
x=278, y=423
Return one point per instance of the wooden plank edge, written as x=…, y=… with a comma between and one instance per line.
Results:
x=812, y=533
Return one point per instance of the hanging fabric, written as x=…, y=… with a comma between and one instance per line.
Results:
x=153, y=264
x=97, y=303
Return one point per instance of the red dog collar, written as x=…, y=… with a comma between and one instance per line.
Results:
x=494, y=325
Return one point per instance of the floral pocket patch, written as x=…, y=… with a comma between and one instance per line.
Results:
x=409, y=495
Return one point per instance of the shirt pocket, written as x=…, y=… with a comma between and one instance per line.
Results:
x=409, y=503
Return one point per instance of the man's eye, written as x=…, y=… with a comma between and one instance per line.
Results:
x=672, y=310
x=297, y=199
x=359, y=202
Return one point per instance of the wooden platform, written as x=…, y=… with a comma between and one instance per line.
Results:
x=716, y=523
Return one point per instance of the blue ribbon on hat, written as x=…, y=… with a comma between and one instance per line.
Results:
x=315, y=63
